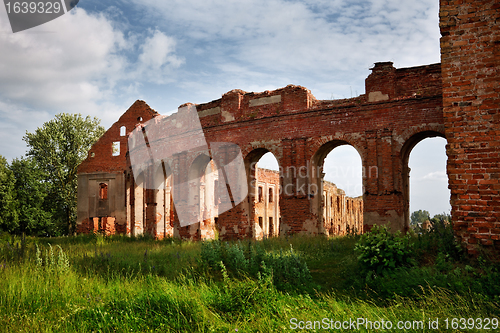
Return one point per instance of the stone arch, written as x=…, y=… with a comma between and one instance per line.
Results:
x=406, y=149
x=318, y=200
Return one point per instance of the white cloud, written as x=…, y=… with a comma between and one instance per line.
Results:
x=77, y=64
x=158, y=57
x=305, y=42
x=435, y=176
x=63, y=63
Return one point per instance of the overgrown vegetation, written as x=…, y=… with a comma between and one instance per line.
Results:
x=380, y=250
x=120, y=284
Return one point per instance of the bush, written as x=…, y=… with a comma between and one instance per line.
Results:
x=379, y=250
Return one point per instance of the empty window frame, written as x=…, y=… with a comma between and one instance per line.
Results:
x=115, y=149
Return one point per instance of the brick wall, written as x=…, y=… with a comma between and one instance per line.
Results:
x=401, y=107
x=470, y=54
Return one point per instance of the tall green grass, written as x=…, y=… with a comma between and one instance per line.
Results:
x=119, y=284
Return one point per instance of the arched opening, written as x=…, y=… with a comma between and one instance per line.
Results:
x=203, y=199
x=123, y=131
x=264, y=187
x=338, y=175
x=425, y=182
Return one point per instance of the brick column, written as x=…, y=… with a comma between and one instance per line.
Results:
x=470, y=54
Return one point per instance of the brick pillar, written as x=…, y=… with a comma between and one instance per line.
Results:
x=470, y=55
x=298, y=214
x=128, y=202
x=383, y=197
x=381, y=83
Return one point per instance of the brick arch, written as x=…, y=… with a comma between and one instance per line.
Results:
x=398, y=104
x=292, y=124
x=250, y=151
x=317, y=174
x=335, y=141
x=254, y=154
x=251, y=158
x=198, y=165
x=405, y=151
x=412, y=133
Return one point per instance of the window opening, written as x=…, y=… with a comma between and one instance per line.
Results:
x=103, y=191
x=116, y=148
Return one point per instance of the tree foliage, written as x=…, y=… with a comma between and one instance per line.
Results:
x=419, y=216
x=32, y=200
x=8, y=217
x=443, y=218
x=58, y=147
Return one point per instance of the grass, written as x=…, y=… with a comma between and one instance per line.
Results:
x=120, y=284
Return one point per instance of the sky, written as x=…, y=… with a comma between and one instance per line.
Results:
x=103, y=55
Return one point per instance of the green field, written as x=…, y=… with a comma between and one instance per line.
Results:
x=120, y=284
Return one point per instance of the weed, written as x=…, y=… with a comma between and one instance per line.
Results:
x=380, y=251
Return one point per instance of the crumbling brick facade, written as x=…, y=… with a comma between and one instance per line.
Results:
x=470, y=55
x=341, y=214
x=105, y=167
x=458, y=100
x=400, y=108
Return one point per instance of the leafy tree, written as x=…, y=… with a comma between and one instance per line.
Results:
x=445, y=218
x=32, y=204
x=8, y=217
x=419, y=216
x=58, y=147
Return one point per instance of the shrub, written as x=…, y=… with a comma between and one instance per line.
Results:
x=379, y=250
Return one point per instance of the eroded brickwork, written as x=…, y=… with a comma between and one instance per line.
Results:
x=458, y=100
x=341, y=214
x=470, y=54
x=400, y=108
x=105, y=166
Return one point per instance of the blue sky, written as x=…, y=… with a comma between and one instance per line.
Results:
x=103, y=55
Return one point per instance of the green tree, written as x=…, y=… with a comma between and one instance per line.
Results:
x=58, y=147
x=419, y=216
x=443, y=217
x=32, y=204
x=8, y=217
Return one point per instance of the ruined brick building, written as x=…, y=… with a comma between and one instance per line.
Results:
x=110, y=201
x=457, y=99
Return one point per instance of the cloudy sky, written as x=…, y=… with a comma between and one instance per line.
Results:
x=103, y=55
